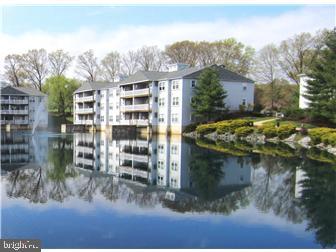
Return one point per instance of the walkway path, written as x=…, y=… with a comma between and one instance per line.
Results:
x=259, y=123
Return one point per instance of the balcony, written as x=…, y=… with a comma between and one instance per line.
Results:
x=135, y=93
x=135, y=107
x=14, y=122
x=136, y=122
x=84, y=111
x=14, y=101
x=14, y=112
x=134, y=157
x=90, y=98
x=133, y=172
x=84, y=122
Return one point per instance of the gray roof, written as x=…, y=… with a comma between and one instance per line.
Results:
x=88, y=86
x=187, y=73
x=9, y=90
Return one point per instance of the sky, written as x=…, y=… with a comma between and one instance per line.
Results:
x=106, y=28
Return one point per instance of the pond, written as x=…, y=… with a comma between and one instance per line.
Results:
x=87, y=190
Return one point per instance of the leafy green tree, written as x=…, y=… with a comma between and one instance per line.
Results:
x=208, y=101
x=60, y=91
x=321, y=89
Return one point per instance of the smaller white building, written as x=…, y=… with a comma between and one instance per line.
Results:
x=22, y=106
x=303, y=101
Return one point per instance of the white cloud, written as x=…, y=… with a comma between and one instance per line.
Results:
x=256, y=32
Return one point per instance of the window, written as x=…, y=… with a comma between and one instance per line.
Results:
x=117, y=106
x=98, y=104
x=160, y=180
x=161, y=85
x=161, y=118
x=111, y=107
x=244, y=87
x=155, y=115
x=102, y=143
x=244, y=102
x=111, y=118
x=174, y=118
x=175, y=85
x=174, y=149
x=117, y=118
x=102, y=118
x=160, y=164
x=173, y=166
x=173, y=182
x=193, y=83
x=161, y=102
x=175, y=101
x=161, y=148
x=98, y=91
x=156, y=99
x=118, y=92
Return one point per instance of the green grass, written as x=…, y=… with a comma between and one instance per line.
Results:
x=296, y=123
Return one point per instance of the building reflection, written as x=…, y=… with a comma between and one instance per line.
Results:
x=160, y=162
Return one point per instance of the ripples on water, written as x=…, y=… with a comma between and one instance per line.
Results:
x=87, y=190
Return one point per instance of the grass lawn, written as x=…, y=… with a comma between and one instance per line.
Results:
x=296, y=123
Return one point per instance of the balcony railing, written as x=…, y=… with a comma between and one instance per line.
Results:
x=84, y=110
x=85, y=98
x=134, y=172
x=135, y=92
x=14, y=112
x=135, y=157
x=138, y=122
x=14, y=101
x=135, y=107
x=14, y=122
x=84, y=122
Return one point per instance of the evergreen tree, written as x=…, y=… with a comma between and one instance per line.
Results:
x=208, y=101
x=321, y=89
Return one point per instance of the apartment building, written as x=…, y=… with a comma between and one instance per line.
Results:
x=158, y=100
x=22, y=106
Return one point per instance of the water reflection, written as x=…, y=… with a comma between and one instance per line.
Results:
x=173, y=173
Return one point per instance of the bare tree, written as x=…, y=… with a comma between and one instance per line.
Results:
x=268, y=69
x=182, y=52
x=150, y=58
x=87, y=66
x=59, y=61
x=14, y=71
x=111, y=65
x=35, y=64
x=130, y=63
x=296, y=55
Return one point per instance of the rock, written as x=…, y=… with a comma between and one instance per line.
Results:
x=212, y=136
x=255, y=139
x=290, y=139
x=305, y=141
x=227, y=137
x=192, y=134
x=273, y=140
x=331, y=149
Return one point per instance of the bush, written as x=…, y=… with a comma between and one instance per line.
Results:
x=286, y=130
x=205, y=129
x=295, y=113
x=316, y=134
x=232, y=125
x=190, y=128
x=244, y=131
x=270, y=131
x=329, y=138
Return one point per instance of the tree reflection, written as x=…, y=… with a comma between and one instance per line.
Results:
x=319, y=200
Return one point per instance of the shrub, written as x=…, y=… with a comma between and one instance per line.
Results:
x=205, y=129
x=317, y=133
x=286, y=130
x=190, y=128
x=329, y=138
x=232, y=125
x=270, y=131
x=244, y=131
